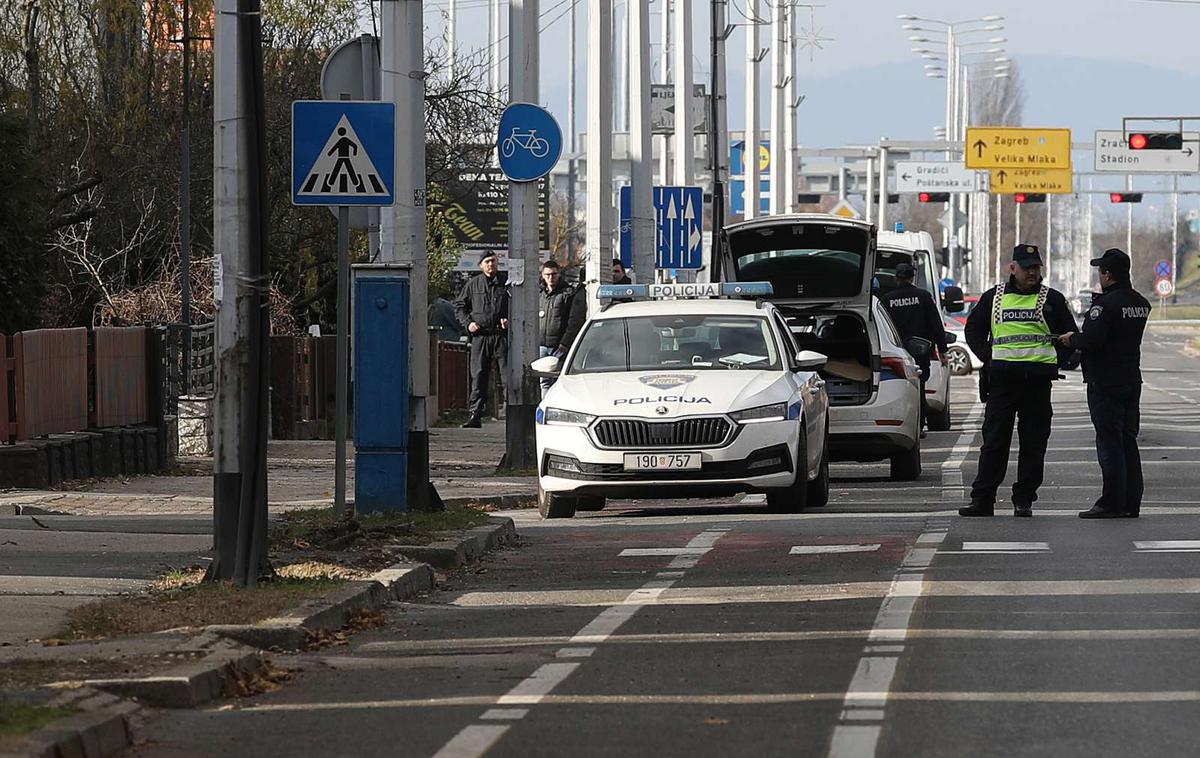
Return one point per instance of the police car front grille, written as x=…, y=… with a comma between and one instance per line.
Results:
x=688, y=432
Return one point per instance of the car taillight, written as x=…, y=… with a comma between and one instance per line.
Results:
x=895, y=365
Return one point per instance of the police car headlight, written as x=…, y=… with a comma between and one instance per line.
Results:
x=557, y=416
x=773, y=412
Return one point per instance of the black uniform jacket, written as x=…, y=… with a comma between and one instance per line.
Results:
x=1111, y=339
x=554, y=313
x=915, y=314
x=979, y=336
x=484, y=301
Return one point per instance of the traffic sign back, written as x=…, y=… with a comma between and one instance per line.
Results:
x=1013, y=147
x=343, y=152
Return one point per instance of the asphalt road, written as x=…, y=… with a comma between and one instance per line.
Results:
x=883, y=624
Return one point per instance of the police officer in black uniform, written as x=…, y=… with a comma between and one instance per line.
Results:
x=915, y=314
x=1015, y=340
x=482, y=309
x=1111, y=341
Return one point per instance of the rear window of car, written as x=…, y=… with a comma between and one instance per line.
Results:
x=802, y=260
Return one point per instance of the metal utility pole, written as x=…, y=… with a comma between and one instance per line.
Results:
x=185, y=203
x=402, y=232
x=778, y=109
x=788, y=154
x=883, y=187
x=623, y=56
x=493, y=45
x=240, y=220
x=869, y=203
x=1129, y=218
x=641, y=156
x=521, y=385
x=664, y=175
x=1049, y=226
x=1017, y=231
x=599, y=146
x=999, y=233
x=1174, y=229
x=572, y=164
x=718, y=141
x=685, y=128
x=750, y=143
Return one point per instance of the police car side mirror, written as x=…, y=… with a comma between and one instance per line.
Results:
x=548, y=366
x=810, y=360
x=952, y=299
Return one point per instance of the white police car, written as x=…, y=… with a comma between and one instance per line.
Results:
x=671, y=398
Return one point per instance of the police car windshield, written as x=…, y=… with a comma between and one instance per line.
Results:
x=802, y=260
x=647, y=343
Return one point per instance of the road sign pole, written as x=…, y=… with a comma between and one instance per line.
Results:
x=869, y=200
x=599, y=151
x=685, y=135
x=750, y=141
x=1017, y=231
x=778, y=107
x=664, y=63
x=641, y=157
x=1174, y=229
x=883, y=187
x=1129, y=219
x=343, y=360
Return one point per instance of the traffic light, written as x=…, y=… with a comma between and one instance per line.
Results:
x=934, y=197
x=892, y=197
x=808, y=199
x=1029, y=197
x=1155, y=141
x=1125, y=197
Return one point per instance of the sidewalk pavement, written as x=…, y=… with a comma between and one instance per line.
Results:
x=97, y=538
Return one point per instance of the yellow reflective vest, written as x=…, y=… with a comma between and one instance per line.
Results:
x=1020, y=333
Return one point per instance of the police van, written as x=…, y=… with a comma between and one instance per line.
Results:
x=915, y=248
x=674, y=391
x=821, y=268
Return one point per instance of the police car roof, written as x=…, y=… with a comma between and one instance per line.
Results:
x=688, y=306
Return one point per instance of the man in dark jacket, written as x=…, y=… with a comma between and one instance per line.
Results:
x=554, y=313
x=482, y=309
x=1111, y=341
x=1012, y=329
x=915, y=314
x=620, y=276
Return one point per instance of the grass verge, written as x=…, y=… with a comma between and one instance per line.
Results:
x=192, y=603
x=18, y=719
x=319, y=526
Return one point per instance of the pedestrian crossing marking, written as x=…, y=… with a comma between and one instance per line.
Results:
x=1167, y=546
x=822, y=549
x=999, y=548
x=343, y=167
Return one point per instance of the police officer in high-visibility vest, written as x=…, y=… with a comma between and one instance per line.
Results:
x=1013, y=329
x=1112, y=353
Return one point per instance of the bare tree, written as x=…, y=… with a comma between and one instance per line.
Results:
x=999, y=101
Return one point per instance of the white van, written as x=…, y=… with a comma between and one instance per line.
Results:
x=916, y=248
x=821, y=267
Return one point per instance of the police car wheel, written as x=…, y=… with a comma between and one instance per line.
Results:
x=793, y=499
x=818, y=489
x=906, y=467
x=959, y=362
x=554, y=505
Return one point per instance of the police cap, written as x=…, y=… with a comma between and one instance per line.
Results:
x=905, y=271
x=1114, y=260
x=1027, y=255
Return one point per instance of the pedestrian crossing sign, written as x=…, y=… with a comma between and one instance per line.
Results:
x=343, y=152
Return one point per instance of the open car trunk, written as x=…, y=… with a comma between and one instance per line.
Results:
x=850, y=373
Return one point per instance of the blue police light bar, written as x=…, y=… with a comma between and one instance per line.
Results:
x=681, y=291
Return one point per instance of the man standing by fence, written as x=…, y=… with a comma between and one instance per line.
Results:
x=482, y=309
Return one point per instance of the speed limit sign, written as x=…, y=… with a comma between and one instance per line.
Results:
x=1164, y=288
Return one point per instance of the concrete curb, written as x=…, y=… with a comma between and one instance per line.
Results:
x=450, y=554
x=495, y=501
x=101, y=728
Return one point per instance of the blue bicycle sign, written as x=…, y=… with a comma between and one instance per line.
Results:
x=529, y=142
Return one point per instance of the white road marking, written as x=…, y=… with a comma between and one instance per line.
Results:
x=1005, y=547
x=952, y=476
x=504, y=714
x=821, y=549
x=475, y=740
x=537, y=685
x=635, y=552
x=869, y=688
x=1167, y=546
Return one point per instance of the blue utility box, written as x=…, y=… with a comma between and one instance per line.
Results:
x=380, y=360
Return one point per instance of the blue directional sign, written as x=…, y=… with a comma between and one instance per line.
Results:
x=737, y=186
x=343, y=152
x=679, y=225
x=737, y=197
x=529, y=142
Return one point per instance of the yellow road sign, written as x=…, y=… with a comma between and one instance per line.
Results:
x=1011, y=147
x=1007, y=181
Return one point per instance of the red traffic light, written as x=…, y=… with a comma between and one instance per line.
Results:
x=1116, y=197
x=934, y=197
x=1136, y=142
x=1125, y=197
x=1019, y=197
x=1156, y=141
x=1029, y=197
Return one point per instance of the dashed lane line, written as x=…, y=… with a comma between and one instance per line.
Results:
x=476, y=739
x=952, y=476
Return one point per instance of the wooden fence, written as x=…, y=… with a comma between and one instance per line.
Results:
x=122, y=381
x=50, y=381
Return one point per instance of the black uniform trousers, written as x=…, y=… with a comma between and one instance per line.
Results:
x=1028, y=402
x=924, y=364
x=486, y=348
x=1116, y=416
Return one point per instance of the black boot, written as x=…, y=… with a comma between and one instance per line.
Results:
x=977, y=508
x=1097, y=512
x=1022, y=510
x=472, y=423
